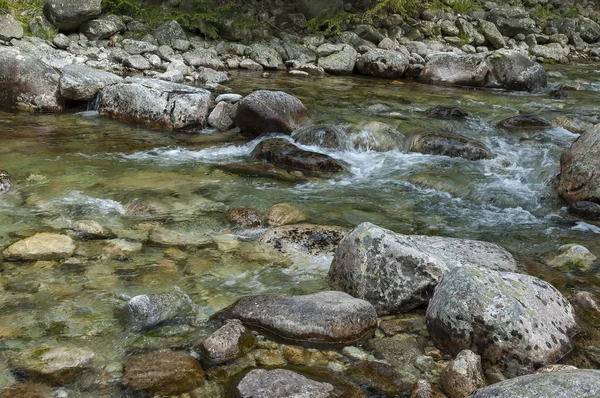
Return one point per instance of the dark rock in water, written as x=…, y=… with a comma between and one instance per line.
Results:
x=514, y=321
x=68, y=15
x=579, y=179
x=6, y=181
x=266, y=111
x=281, y=383
x=451, y=145
x=558, y=95
x=322, y=319
x=523, y=122
x=442, y=111
x=147, y=310
x=397, y=273
x=27, y=390
x=245, y=217
x=380, y=377
x=163, y=372
x=262, y=170
x=424, y=389
x=312, y=239
x=585, y=209
x=230, y=341
x=281, y=152
x=566, y=384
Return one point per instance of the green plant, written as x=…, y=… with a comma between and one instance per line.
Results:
x=571, y=12
x=436, y=6
x=464, y=6
x=21, y=10
x=329, y=26
x=382, y=8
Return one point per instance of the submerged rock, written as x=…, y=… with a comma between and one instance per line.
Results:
x=281, y=383
x=579, y=179
x=91, y=229
x=284, y=214
x=41, y=246
x=446, y=112
x=281, y=152
x=27, y=390
x=163, y=372
x=515, y=322
x=82, y=83
x=379, y=376
x=523, y=122
x=68, y=15
x=450, y=145
x=573, y=257
x=245, y=217
x=565, y=384
x=148, y=310
x=263, y=170
x=397, y=273
x=229, y=342
x=6, y=181
x=266, y=111
x=156, y=103
x=320, y=319
x=306, y=238
x=585, y=209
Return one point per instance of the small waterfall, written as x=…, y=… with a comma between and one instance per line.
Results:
x=94, y=104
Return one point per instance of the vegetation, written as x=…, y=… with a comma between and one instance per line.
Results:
x=22, y=10
x=329, y=26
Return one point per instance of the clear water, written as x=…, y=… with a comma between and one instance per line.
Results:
x=82, y=166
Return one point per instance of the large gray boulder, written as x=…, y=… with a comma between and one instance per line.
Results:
x=281, y=383
x=507, y=69
x=10, y=28
x=589, y=30
x=579, y=179
x=397, y=273
x=82, y=83
x=27, y=83
x=102, y=28
x=512, y=21
x=266, y=111
x=325, y=318
x=207, y=58
x=168, y=33
x=283, y=153
x=266, y=56
x=492, y=34
x=387, y=64
x=337, y=59
x=580, y=383
x=156, y=103
x=515, y=322
x=68, y=15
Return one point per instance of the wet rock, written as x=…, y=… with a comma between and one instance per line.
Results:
x=387, y=64
x=163, y=372
x=82, y=83
x=147, y=310
x=6, y=181
x=27, y=83
x=266, y=56
x=325, y=318
x=397, y=273
x=312, y=239
x=68, y=15
x=378, y=376
x=266, y=111
x=424, y=389
x=156, y=103
x=283, y=153
x=10, y=28
x=574, y=125
x=573, y=257
x=91, y=229
x=578, y=180
x=245, y=217
x=229, y=342
x=463, y=375
x=586, y=300
x=523, y=122
x=446, y=112
x=450, y=145
x=41, y=246
x=222, y=116
x=284, y=214
x=207, y=58
x=515, y=322
x=566, y=384
x=337, y=59
x=61, y=365
x=168, y=33
x=263, y=170
x=103, y=28
x=281, y=383
x=27, y=390
x=122, y=248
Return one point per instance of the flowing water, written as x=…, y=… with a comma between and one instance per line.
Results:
x=83, y=166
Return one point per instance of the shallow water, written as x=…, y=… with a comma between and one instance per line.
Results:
x=83, y=166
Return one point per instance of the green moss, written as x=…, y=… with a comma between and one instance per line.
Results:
x=464, y=6
x=22, y=10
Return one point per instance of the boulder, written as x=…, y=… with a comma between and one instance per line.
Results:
x=589, y=30
x=266, y=111
x=322, y=319
x=452, y=145
x=10, y=28
x=27, y=83
x=284, y=214
x=340, y=59
x=229, y=342
x=222, y=116
x=168, y=33
x=207, y=58
x=138, y=47
x=507, y=69
x=523, y=122
x=312, y=239
x=463, y=375
x=163, y=372
x=103, y=28
x=58, y=365
x=148, y=310
x=156, y=103
x=573, y=257
x=579, y=179
x=585, y=209
x=68, y=15
x=138, y=62
x=565, y=384
x=281, y=383
x=397, y=273
x=82, y=83
x=492, y=34
x=512, y=21
x=281, y=152
x=266, y=56
x=41, y=246
x=386, y=64
x=516, y=322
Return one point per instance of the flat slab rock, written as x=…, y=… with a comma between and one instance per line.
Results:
x=42, y=246
x=515, y=322
x=304, y=238
x=322, y=319
x=281, y=383
x=578, y=383
x=397, y=273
